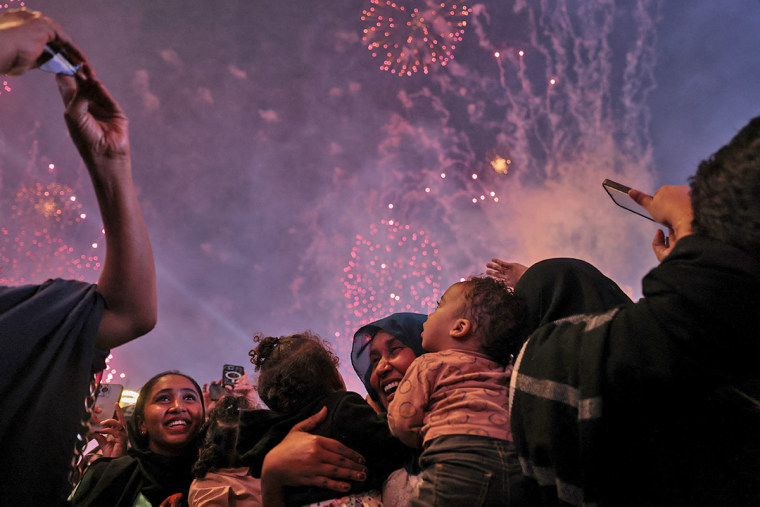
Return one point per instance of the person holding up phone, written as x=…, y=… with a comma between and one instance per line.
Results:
x=656, y=402
x=54, y=336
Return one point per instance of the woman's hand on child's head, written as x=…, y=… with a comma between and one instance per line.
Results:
x=509, y=272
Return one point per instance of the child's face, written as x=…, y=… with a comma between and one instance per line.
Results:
x=435, y=330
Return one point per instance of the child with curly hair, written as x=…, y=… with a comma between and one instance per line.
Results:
x=220, y=476
x=453, y=401
x=298, y=375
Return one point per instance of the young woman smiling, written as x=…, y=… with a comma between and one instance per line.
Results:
x=164, y=433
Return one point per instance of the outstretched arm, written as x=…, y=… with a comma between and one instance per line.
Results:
x=23, y=35
x=671, y=207
x=98, y=127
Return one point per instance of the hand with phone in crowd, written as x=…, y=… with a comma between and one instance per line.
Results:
x=234, y=382
x=29, y=40
x=123, y=305
x=670, y=206
x=108, y=426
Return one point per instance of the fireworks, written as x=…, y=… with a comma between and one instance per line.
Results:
x=413, y=35
x=392, y=269
x=32, y=244
x=111, y=374
x=43, y=203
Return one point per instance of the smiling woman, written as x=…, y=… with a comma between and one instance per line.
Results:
x=164, y=433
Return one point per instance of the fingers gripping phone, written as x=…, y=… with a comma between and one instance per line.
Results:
x=230, y=375
x=619, y=195
x=106, y=396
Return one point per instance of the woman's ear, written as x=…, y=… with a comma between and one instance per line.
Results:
x=461, y=329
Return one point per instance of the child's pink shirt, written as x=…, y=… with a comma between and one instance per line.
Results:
x=454, y=392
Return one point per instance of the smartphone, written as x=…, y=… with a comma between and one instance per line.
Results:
x=106, y=396
x=619, y=195
x=56, y=61
x=231, y=373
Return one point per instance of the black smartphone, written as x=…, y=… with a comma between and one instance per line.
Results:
x=619, y=195
x=105, y=397
x=231, y=373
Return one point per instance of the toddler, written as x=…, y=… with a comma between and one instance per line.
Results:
x=452, y=401
x=220, y=478
x=298, y=376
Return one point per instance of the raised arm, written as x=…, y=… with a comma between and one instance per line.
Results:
x=98, y=127
x=23, y=35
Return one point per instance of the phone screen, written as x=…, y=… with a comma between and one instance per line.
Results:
x=619, y=194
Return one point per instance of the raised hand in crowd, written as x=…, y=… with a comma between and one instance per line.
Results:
x=111, y=434
x=509, y=272
x=98, y=127
x=23, y=35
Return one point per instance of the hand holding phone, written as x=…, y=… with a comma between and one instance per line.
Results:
x=619, y=195
x=231, y=373
x=105, y=398
x=111, y=434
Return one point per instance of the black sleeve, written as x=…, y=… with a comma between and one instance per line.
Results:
x=358, y=426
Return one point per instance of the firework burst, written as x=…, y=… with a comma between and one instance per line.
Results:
x=392, y=269
x=32, y=244
x=414, y=35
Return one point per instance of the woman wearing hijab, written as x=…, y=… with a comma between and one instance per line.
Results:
x=163, y=433
x=553, y=289
x=382, y=351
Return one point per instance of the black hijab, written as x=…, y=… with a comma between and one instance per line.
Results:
x=557, y=288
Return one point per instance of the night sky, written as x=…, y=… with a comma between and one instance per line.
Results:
x=289, y=183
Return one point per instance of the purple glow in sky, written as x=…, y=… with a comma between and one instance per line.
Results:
x=266, y=140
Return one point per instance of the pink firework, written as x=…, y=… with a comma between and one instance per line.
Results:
x=33, y=244
x=413, y=35
x=392, y=269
